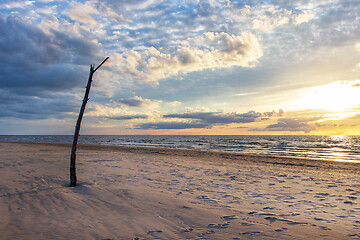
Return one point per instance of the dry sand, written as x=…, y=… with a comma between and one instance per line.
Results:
x=142, y=193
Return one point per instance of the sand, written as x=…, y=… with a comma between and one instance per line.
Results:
x=148, y=193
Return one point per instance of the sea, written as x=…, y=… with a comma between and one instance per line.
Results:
x=336, y=148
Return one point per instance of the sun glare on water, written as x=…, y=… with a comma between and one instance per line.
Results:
x=334, y=97
x=340, y=149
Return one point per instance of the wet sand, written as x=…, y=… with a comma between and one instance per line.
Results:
x=152, y=193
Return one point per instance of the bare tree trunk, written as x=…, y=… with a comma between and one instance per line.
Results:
x=78, y=125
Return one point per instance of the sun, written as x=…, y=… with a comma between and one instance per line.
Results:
x=334, y=97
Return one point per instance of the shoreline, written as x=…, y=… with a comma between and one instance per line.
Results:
x=225, y=156
x=306, y=147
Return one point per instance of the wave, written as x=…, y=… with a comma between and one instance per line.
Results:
x=318, y=147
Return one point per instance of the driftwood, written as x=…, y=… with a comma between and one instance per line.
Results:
x=78, y=124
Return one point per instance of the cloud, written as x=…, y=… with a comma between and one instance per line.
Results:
x=35, y=60
x=171, y=125
x=273, y=113
x=224, y=118
x=24, y=43
x=210, y=51
x=200, y=120
x=271, y=18
x=173, y=103
x=205, y=120
x=16, y=4
x=139, y=102
x=59, y=106
x=292, y=125
x=211, y=118
x=245, y=94
x=265, y=17
x=120, y=4
x=82, y=13
x=303, y=18
x=41, y=65
x=128, y=117
x=132, y=102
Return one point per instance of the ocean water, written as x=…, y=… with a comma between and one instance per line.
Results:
x=336, y=148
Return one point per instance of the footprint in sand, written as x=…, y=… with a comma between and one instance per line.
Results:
x=203, y=197
x=205, y=233
x=186, y=207
x=352, y=198
x=270, y=208
x=232, y=217
x=320, y=219
x=188, y=230
x=271, y=219
x=324, y=228
x=154, y=231
x=250, y=233
x=323, y=194
x=206, y=198
x=246, y=224
x=354, y=235
x=232, y=177
x=218, y=226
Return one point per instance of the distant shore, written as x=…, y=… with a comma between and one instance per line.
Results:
x=146, y=193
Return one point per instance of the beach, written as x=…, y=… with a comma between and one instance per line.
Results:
x=156, y=193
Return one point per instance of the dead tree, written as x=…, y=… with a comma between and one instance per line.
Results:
x=78, y=124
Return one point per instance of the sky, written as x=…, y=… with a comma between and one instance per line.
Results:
x=181, y=67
